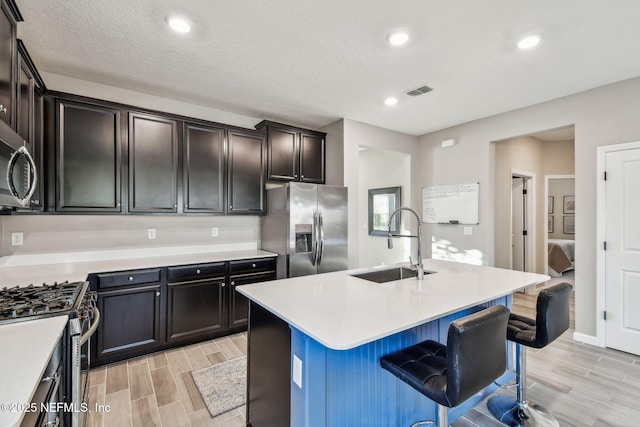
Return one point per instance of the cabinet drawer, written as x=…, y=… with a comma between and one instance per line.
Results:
x=252, y=265
x=195, y=272
x=124, y=278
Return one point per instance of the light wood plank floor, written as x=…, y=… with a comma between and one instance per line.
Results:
x=583, y=385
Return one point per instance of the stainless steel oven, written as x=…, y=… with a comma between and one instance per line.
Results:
x=18, y=175
x=64, y=388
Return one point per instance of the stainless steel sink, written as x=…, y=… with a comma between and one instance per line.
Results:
x=387, y=275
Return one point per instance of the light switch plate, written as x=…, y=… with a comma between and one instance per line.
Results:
x=151, y=233
x=297, y=371
x=468, y=231
x=214, y=231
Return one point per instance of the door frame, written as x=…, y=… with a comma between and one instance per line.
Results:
x=530, y=213
x=601, y=223
x=548, y=178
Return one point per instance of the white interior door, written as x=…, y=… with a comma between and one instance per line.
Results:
x=622, y=255
x=518, y=246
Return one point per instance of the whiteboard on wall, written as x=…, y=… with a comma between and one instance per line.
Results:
x=450, y=204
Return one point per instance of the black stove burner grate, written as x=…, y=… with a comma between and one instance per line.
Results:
x=20, y=302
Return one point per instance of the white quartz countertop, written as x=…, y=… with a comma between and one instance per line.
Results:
x=26, y=348
x=38, y=269
x=342, y=312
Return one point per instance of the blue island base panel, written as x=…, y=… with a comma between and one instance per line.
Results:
x=335, y=388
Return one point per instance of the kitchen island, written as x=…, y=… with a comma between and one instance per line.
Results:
x=322, y=337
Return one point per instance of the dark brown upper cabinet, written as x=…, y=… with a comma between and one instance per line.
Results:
x=153, y=164
x=29, y=118
x=203, y=168
x=9, y=16
x=246, y=173
x=294, y=154
x=88, y=153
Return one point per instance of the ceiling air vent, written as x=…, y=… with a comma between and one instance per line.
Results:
x=419, y=91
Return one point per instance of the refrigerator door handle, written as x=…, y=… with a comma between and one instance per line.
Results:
x=321, y=240
x=314, y=252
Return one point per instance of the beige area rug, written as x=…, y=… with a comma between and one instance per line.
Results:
x=223, y=386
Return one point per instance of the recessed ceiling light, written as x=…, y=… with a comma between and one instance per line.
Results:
x=529, y=41
x=178, y=24
x=398, y=38
x=391, y=101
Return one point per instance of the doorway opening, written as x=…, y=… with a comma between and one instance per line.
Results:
x=523, y=220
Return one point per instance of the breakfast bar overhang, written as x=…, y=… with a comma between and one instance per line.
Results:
x=321, y=337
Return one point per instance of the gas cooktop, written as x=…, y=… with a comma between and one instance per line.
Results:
x=28, y=302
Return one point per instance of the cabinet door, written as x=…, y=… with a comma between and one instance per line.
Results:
x=7, y=65
x=203, y=169
x=312, y=157
x=238, y=303
x=282, y=149
x=153, y=164
x=88, y=148
x=246, y=173
x=195, y=309
x=25, y=101
x=129, y=321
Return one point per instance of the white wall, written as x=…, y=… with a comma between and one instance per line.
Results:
x=540, y=158
x=358, y=134
x=381, y=169
x=602, y=116
x=72, y=233
x=66, y=84
x=558, y=188
x=334, y=150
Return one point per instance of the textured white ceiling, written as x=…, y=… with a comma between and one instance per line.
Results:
x=312, y=62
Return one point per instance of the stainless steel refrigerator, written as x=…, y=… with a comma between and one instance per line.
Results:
x=306, y=225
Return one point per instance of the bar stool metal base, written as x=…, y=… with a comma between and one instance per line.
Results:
x=527, y=414
x=442, y=419
x=518, y=411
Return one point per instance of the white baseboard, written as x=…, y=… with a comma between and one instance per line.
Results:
x=587, y=339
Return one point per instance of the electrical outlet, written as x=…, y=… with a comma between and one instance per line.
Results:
x=468, y=231
x=151, y=233
x=297, y=371
x=214, y=231
x=17, y=239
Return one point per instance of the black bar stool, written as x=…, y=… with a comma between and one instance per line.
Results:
x=474, y=357
x=552, y=319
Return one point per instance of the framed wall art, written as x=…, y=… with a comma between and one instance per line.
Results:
x=569, y=204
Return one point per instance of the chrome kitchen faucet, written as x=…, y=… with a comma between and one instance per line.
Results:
x=418, y=266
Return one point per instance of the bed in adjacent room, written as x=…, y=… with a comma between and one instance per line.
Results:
x=561, y=254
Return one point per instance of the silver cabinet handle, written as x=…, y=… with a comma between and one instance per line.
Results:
x=53, y=377
x=253, y=265
x=131, y=278
x=198, y=271
x=186, y=206
x=158, y=293
x=233, y=283
x=117, y=205
x=222, y=284
x=175, y=206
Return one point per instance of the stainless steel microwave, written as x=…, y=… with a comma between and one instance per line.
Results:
x=18, y=175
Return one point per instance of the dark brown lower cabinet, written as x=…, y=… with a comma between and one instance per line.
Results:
x=238, y=303
x=129, y=322
x=143, y=311
x=195, y=305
